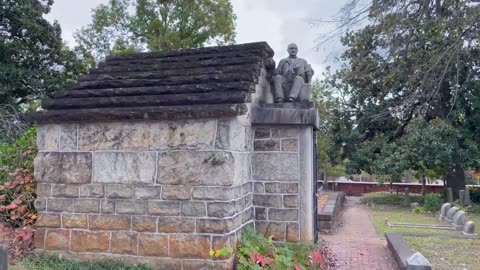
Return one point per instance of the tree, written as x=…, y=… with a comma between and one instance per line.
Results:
x=123, y=26
x=412, y=75
x=33, y=59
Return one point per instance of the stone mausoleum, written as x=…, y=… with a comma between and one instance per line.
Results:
x=160, y=157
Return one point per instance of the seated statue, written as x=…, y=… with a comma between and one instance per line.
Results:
x=292, y=77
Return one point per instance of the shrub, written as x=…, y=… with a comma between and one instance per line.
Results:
x=256, y=252
x=387, y=198
x=12, y=155
x=432, y=202
x=475, y=195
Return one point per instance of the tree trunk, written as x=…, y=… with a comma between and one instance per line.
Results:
x=456, y=180
x=422, y=177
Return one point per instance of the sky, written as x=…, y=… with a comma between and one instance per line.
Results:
x=278, y=22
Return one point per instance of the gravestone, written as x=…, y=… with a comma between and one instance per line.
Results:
x=461, y=197
x=450, y=214
x=443, y=211
x=467, y=201
x=449, y=195
x=3, y=257
x=406, y=197
x=459, y=220
x=469, y=228
x=418, y=262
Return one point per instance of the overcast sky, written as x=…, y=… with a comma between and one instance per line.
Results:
x=278, y=22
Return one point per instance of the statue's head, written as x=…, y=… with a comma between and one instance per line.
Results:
x=292, y=49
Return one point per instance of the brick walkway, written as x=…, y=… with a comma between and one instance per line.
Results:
x=356, y=243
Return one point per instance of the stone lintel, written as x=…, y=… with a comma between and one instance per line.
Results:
x=291, y=113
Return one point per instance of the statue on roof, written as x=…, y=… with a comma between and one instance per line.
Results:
x=292, y=77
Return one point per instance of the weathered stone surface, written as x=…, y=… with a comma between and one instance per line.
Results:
x=282, y=214
x=196, y=168
x=163, y=208
x=459, y=220
x=107, y=207
x=74, y=221
x=193, y=209
x=469, y=228
x=67, y=191
x=59, y=205
x=152, y=245
x=118, y=191
x=130, y=207
x=39, y=238
x=260, y=213
x=418, y=262
x=262, y=133
x=275, y=229
x=66, y=167
x=233, y=135
x=213, y=193
x=266, y=145
x=52, y=137
x=109, y=222
x=291, y=113
x=92, y=191
x=143, y=193
x=259, y=188
x=267, y=200
x=275, y=166
x=48, y=221
x=114, y=136
x=281, y=187
x=292, y=232
x=176, y=225
x=218, y=226
x=207, y=265
x=290, y=201
x=124, y=167
x=144, y=224
x=89, y=241
x=124, y=243
x=290, y=145
x=87, y=206
x=57, y=240
x=198, y=135
x=40, y=204
x=44, y=190
x=176, y=193
x=451, y=213
x=187, y=246
x=222, y=209
x=285, y=132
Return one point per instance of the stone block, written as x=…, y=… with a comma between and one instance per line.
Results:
x=113, y=136
x=247, y=216
x=162, y=263
x=290, y=201
x=107, y=207
x=196, y=168
x=266, y=145
x=124, y=167
x=176, y=225
x=148, y=192
x=194, y=209
x=218, y=226
x=233, y=135
x=152, y=245
x=293, y=232
x=289, y=145
x=283, y=214
x=57, y=240
x=222, y=209
x=87, y=206
x=109, y=222
x=48, y=221
x=67, y=167
x=40, y=204
x=44, y=190
x=281, y=187
x=259, y=188
x=124, y=243
x=39, y=238
x=53, y=137
x=275, y=229
x=207, y=265
x=285, y=132
x=179, y=135
x=275, y=166
x=66, y=191
x=176, y=193
x=267, y=200
x=118, y=191
x=144, y=224
x=72, y=221
x=83, y=241
x=418, y=262
x=260, y=213
x=189, y=246
x=163, y=208
x=59, y=205
x=213, y=193
x=92, y=191
x=262, y=133
x=134, y=207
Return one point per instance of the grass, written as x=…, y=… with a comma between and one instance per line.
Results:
x=42, y=262
x=448, y=253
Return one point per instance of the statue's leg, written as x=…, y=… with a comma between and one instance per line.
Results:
x=278, y=88
x=296, y=88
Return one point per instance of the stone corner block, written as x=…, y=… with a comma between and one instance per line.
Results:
x=67, y=167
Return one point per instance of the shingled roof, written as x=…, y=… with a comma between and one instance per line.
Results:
x=192, y=83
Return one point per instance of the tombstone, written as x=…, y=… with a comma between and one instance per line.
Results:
x=450, y=214
x=467, y=201
x=418, y=262
x=461, y=197
x=459, y=220
x=3, y=257
x=469, y=228
x=449, y=195
x=444, y=211
x=406, y=197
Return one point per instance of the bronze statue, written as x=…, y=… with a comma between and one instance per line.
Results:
x=292, y=77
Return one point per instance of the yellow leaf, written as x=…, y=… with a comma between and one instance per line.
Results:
x=211, y=253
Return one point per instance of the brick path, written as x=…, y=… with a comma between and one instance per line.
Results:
x=356, y=243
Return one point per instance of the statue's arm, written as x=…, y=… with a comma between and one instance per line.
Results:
x=278, y=70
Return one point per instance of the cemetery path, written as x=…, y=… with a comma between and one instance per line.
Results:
x=356, y=243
